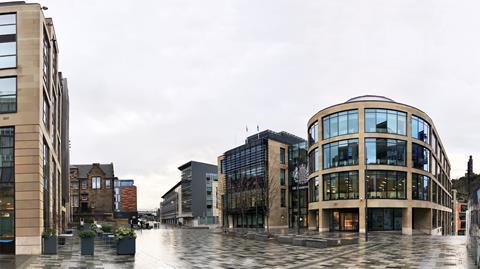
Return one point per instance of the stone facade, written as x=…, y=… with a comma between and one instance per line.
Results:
x=37, y=131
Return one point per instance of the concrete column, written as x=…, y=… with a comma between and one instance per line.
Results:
x=312, y=219
x=407, y=221
x=361, y=218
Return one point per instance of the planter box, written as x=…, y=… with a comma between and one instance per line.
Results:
x=50, y=245
x=87, y=246
x=126, y=246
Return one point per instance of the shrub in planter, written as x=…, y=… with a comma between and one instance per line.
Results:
x=87, y=243
x=107, y=229
x=49, y=237
x=125, y=238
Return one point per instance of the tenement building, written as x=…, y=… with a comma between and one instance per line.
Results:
x=33, y=130
x=91, y=192
x=254, y=183
x=375, y=159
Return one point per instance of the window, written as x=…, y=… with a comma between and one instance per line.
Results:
x=338, y=186
x=282, y=177
x=8, y=41
x=282, y=198
x=84, y=197
x=385, y=121
x=313, y=187
x=75, y=201
x=420, y=157
x=420, y=129
x=386, y=184
x=313, y=134
x=46, y=60
x=434, y=143
x=84, y=185
x=8, y=94
x=74, y=185
x=420, y=187
x=313, y=160
x=46, y=112
x=107, y=184
x=341, y=123
x=7, y=182
x=434, y=192
x=385, y=151
x=96, y=183
x=282, y=155
x=341, y=153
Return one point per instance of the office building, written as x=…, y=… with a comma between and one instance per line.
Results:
x=33, y=129
x=124, y=198
x=254, y=181
x=391, y=153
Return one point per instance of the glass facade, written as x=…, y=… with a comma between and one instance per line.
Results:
x=341, y=123
x=386, y=184
x=420, y=129
x=340, y=153
x=384, y=219
x=386, y=151
x=313, y=187
x=313, y=162
x=8, y=41
x=340, y=186
x=385, y=121
x=420, y=187
x=8, y=94
x=420, y=157
x=313, y=134
x=7, y=189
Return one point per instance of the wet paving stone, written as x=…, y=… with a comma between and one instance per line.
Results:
x=184, y=248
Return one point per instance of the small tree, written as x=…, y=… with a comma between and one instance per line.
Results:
x=242, y=190
x=269, y=191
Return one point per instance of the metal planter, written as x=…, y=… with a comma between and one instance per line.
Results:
x=50, y=246
x=87, y=246
x=126, y=246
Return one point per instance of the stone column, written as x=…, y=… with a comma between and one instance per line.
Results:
x=323, y=219
x=407, y=221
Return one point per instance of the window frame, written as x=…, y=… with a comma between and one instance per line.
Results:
x=16, y=40
x=388, y=112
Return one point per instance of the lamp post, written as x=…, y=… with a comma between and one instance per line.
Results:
x=366, y=199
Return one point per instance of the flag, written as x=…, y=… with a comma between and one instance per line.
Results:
x=246, y=128
x=258, y=128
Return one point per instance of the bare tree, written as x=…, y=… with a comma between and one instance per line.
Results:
x=243, y=199
x=269, y=191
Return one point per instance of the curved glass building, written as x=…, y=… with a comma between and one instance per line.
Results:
x=375, y=150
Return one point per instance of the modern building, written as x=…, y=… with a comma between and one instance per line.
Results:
x=91, y=192
x=170, y=208
x=254, y=181
x=124, y=198
x=389, y=150
x=196, y=193
x=33, y=129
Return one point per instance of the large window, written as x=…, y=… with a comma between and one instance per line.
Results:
x=46, y=112
x=46, y=185
x=339, y=186
x=313, y=161
x=7, y=184
x=420, y=187
x=282, y=155
x=8, y=41
x=8, y=94
x=341, y=123
x=283, y=198
x=385, y=151
x=385, y=121
x=420, y=157
x=341, y=153
x=386, y=184
x=96, y=183
x=313, y=187
x=313, y=134
x=420, y=129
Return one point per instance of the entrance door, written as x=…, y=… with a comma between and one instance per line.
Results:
x=344, y=220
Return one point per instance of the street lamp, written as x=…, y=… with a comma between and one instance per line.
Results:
x=366, y=199
x=300, y=175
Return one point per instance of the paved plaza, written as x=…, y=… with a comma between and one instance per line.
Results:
x=183, y=248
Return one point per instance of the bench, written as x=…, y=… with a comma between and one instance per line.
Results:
x=261, y=237
x=285, y=239
x=63, y=237
x=299, y=241
x=316, y=243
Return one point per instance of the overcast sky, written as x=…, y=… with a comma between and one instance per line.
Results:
x=154, y=84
